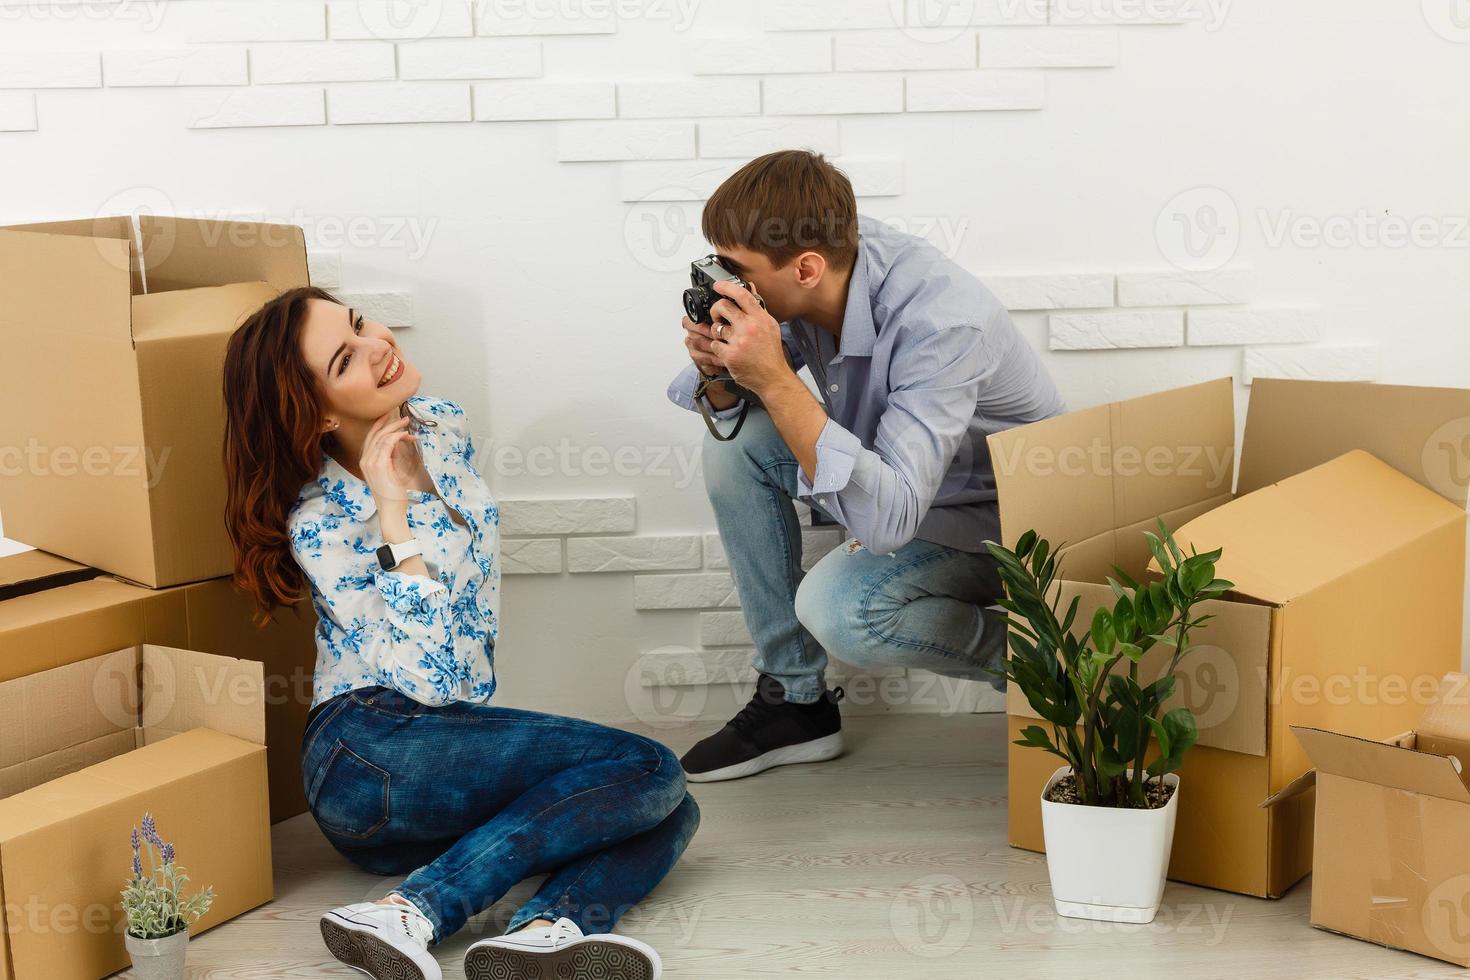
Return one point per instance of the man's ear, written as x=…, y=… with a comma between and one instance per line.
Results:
x=810, y=267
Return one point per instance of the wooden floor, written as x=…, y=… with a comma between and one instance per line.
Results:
x=889, y=863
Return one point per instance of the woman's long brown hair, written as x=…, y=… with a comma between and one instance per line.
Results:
x=273, y=446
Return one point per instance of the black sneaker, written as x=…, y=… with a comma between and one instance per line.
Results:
x=769, y=731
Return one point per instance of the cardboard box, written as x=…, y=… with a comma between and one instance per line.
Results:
x=55, y=612
x=1346, y=542
x=113, y=393
x=179, y=734
x=1392, y=863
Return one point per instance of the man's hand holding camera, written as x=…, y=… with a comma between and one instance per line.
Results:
x=746, y=340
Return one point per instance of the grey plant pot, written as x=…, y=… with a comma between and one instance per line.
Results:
x=158, y=959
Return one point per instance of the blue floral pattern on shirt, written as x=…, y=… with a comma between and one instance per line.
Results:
x=432, y=639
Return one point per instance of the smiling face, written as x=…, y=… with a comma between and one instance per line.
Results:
x=358, y=366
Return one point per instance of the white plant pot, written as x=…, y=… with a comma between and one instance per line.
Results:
x=158, y=959
x=1107, y=863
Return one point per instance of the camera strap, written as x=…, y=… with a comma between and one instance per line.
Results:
x=701, y=401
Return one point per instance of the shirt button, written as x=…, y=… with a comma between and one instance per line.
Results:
x=833, y=388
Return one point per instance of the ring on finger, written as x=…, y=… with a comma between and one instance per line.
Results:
x=719, y=331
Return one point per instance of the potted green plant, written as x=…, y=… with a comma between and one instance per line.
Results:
x=1108, y=813
x=158, y=913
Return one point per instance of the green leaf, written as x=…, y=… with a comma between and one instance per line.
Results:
x=1161, y=733
x=1103, y=636
x=1025, y=544
x=1182, y=729
x=1132, y=651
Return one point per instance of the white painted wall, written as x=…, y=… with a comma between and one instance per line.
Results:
x=536, y=260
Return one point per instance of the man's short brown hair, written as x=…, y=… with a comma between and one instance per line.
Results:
x=783, y=204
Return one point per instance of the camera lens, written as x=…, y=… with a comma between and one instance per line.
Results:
x=696, y=303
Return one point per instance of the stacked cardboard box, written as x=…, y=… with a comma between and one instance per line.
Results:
x=1346, y=543
x=133, y=678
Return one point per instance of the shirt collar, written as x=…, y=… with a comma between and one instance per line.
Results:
x=350, y=496
x=858, y=331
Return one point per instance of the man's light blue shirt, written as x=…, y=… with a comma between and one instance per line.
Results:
x=928, y=364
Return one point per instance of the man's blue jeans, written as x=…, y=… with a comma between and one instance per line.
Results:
x=924, y=606
x=471, y=799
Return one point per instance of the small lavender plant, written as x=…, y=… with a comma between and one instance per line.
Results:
x=154, y=903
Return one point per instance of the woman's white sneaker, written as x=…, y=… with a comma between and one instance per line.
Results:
x=387, y=942
x=560, y=950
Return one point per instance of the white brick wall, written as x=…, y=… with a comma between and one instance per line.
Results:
x=493, y=17
x=50, y=69
x=1265, y=326
x=624, y=141
x=900, y=51
x=259, y=107
x=1173, y=287
x=477, y=58
x=1102, y=331
x=821, y=15
x=936, y=14
x=17, y=112
x=765, y=55
x=504, y=101
x=214, y=65
x=807, y=95
x=747, y=138
x=975, y=91
x=703, y=590
x=1051, y=291
x=391, y=309
x=698, y=98
x=250, y=20
x=1062, y=48
x=1327, y=362
x=384, y=20
x=426, y=102
x=530, y=556
x=324, y=61
x=572, y=515
x=643, y=553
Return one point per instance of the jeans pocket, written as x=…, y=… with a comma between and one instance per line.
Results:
x=348, y=795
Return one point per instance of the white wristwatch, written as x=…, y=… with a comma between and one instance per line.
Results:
x=390, y=556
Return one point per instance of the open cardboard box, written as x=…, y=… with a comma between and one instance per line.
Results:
x=55, y=612
x=173, y=732
x=114, y=339
x=1346, y=543
x=1392, y=862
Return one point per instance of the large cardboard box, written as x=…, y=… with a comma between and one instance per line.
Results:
x=55, y=612
x=1345, y=539
x=114, y=338
x=1392, y=862
x=178, y=734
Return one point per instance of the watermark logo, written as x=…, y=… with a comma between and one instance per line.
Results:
x=662, y=230
x=408, y=20
x=933, y=917
x=1207, y=682
x=1446, y=458
x=667, y=688
x=1450, y=19
x=1446, y=917
x=1199, y=229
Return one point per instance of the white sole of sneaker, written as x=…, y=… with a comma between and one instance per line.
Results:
x=817, y=750
x=359, y=946
x=606, y=957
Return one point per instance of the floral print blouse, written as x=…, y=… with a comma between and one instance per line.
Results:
x=432, y=639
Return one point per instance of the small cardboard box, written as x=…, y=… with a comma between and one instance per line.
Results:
x=177, y=733
x=55, y=612
x=1346, y=543
x=113, y=393
x=1392, y=862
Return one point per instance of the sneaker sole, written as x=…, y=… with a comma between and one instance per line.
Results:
x=601, y=958
x=817, y=750
x=368, y=954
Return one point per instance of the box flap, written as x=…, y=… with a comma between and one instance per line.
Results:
x=184, y=253
x=1285, y=540
x=185, y=689
x=1448, y=714
x=1382, y=763
x=209, y=310
x=1292, y=426
x=1079, y=477
x=31, y=571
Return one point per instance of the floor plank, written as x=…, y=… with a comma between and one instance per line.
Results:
x=889, y=862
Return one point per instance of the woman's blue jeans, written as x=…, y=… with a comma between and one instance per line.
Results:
x=471, y=799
